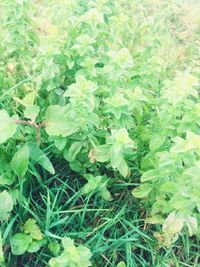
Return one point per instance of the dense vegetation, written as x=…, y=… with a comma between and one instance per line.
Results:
x=99, y=133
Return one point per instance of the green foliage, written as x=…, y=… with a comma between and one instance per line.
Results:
x=20, y=161
x=20, y=243
x=6, y=205
x=72, y=256
x=8, y=126
x=98, y=99
x=30, y=227
x=96, y=184
x=30, y=240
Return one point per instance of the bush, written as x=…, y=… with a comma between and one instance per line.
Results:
x=110, y=90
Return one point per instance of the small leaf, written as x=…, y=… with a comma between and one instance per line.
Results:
x=101, y=153
x=123, y=168
x=33, y=247
x=96, y=184
x=8, y=126
x=38, y=156
x=74, y=150
x=149, y=176
x=173, y=224
x=179, y=202
x=6, y=205
x=31, y=112
x=60, y=142
x=54, y=247
x=30, y=227
x=142, y=191
x=7, y=178
x=20, y=243
x=29, y=99
x=94, y=119
x=156, y=142
x=156, y=219
x=58, y=123
x=121, y=264
x=20, y=161
x=192, y=225
x=116, y=155
x=105, y=194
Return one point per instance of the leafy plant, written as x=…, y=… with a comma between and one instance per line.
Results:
x=72, y=256
x=97, y=98
x=30, y=240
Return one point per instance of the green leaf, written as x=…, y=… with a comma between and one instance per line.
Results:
x=74, y=149
x=72, y=255
x=149, y=175
x=173, y=224
x=20, y=243
x=94, y=119
x=6, y=205
x=97, y=184
x=60, y=142
x=7, y=178
x=192, y=225
x=54, y=247
x=192, y=141
x=105, y=194
x=20, y=161
x=156, y=142
x=116, y=155
x=38, y=156
x=31, y=112
x=169, y=188
x=155, y=219
x=30, y=227
x=123, y=168
x=179, y=202
x=121, y=137
x=8, y=126
x=33, y=247
x=142, y=191
x=58, y=122
x=121, y=264
x=100, y=153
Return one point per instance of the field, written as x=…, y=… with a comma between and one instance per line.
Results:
x=99, y=133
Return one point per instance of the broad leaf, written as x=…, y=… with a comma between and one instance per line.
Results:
x=6, y=205
x=156, y=142
x=60, y=142
x=33, y=247
x=20, y=243
x=8, y=126
x=173, y=224
x=180, y=202
x=31, y=112
x=30, y=227
x=58, y=122
x=38, y=156
x=123, y=168
x=142, y=191
x=20, y=161
x=74, y=150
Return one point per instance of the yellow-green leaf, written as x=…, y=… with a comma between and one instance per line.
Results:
x=30, y=227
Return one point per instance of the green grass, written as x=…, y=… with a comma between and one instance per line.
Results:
x=114, y=231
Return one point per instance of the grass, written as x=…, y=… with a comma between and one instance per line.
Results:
x=114, y=231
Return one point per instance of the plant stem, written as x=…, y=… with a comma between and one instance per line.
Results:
x=35, y=125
